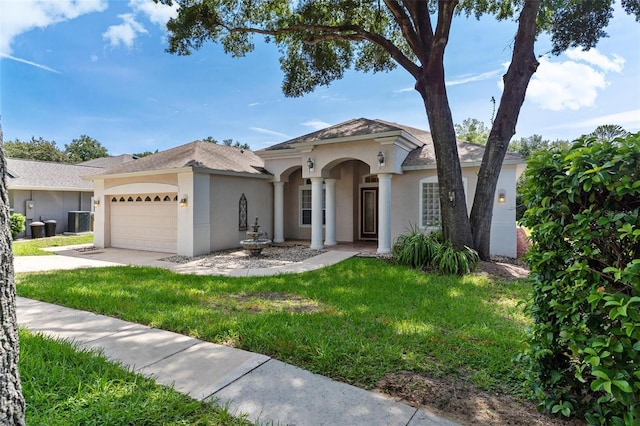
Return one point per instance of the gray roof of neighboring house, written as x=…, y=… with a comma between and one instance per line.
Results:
x=111, y=161
x=44, y=175
x=199, y=154
x=419, y=157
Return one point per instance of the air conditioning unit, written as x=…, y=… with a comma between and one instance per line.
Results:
x=79, y=221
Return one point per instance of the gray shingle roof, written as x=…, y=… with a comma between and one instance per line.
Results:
x=31, y=174
x=200, y=154
x=107, y=162
x=423, y=156
x=351, y=128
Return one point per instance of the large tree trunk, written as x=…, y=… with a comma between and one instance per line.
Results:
x=453, y=208
x=523, y=66
x=11, y=401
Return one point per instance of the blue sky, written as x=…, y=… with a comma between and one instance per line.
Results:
x=97, y=67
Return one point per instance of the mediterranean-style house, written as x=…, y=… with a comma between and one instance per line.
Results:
x=359, y=180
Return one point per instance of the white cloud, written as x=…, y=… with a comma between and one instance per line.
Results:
x=629, y=120
x=252, y=104
x=316, y=124
x=596, y=58
x=157, y=13
x=18, y=17
x=572, y=84
x=404, y=90
x=24, y=61
x=93, y=57
x=268, y=132
x=125, y=33
x=469, y=78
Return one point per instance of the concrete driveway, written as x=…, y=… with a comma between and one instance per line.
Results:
x=67, y=258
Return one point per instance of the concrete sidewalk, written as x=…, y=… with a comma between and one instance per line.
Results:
x=70, y=258
x=265, y=389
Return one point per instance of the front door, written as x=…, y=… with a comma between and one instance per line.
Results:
x=369, y=213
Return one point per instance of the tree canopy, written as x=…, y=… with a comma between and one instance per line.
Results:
x=608, y=132
x=227, y=142
x=472, y=130
x=81, y=149
x=35, y=149
x=84, y=148
x=320, y=39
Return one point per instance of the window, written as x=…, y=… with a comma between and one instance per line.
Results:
x=430, y=202
x=305, y=206
x=242, y=213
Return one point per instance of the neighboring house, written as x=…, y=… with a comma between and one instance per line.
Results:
x=359, y=180
x=43, y=190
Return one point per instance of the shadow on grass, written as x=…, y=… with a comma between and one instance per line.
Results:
x=373, y=317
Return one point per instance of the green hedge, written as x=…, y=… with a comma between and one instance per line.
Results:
x=17, y=222
x=584, y=215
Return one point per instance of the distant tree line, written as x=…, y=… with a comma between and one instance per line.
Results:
x=81, y=149
x=475, y=131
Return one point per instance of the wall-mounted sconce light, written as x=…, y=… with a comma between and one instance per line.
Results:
x=96, y=202
x=502, y=196
x=310, y=164
x=381, y=158
x=452, y=197
x=183, y=201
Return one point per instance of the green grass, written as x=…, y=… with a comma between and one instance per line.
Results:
x=33, y=247
x=370, y=317
x=63, y=385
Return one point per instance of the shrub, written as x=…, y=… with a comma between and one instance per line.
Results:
x=429, y=252
x=583, y=213
x=17, y=224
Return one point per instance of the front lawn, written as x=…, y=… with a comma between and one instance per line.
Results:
x=354, y=322
x=66, y=386
x=34, y=247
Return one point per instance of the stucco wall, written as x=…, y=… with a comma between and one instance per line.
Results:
x=170, y=179
x=503, y=228
x=49, y=205
x=225, y=193
x=405, y=209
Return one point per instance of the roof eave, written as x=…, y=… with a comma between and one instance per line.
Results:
x=433, y=166
x=233, y=173
x=390, y=134
x=49, y=188
x=137, y=174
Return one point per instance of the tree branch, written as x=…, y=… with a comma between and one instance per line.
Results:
x=408, y=30
x=443, y=28
x=419, y=12
x=321, y=33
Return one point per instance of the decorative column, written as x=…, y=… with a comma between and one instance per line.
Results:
x=316, y=213
x=384, y=213
x=278, y=212
x=330, y=212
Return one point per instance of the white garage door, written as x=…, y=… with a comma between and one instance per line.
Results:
x=145, y=222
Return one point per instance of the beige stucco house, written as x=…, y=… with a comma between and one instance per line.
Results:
x=362, y=180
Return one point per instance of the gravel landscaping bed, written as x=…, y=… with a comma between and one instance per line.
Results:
x=238, y=258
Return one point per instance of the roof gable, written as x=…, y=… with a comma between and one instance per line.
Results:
x=422, y=156
x=353, y=129
x=204, y=155
x=111, y=161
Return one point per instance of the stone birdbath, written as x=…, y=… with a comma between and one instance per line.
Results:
x=254, y=245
